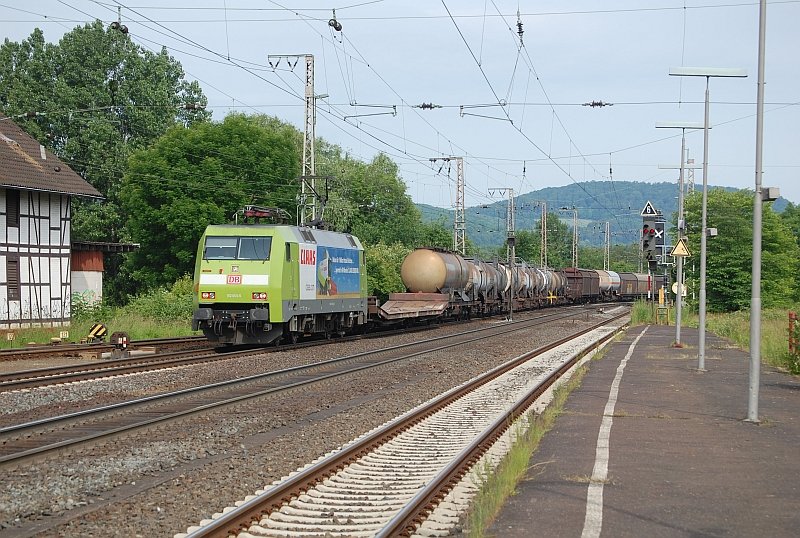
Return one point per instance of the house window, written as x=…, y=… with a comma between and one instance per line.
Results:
x=12, y=208
x=12, y=270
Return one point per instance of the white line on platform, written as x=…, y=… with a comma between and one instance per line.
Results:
x=593, y=522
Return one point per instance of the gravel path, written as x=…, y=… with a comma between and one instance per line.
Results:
x=159, y=484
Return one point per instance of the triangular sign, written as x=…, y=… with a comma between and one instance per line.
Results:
x=648, y=210
x=680, y=250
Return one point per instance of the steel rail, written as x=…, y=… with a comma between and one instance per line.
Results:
x=240, y=519
x=41, y=377
x=405, y=522
x=27, y=430
x=14, y=354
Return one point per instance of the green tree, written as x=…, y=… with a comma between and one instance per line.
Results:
x=95, y=97
x=559, y=243
x=370, y=201
x=436, y=234
x=383, y=269
x=199, y=175
x=791, y=218
x=590, y=257
x=624, y=258
x=729, y=255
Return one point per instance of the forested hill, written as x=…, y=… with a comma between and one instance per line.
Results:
x=618, y=202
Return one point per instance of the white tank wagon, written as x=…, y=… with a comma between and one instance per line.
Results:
x=610, y=282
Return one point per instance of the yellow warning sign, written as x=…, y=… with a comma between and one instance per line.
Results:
x=680, y=250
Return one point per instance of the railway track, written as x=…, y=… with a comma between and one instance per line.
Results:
x=43, y=377
x=389, y=481
x=73, y=350
x=26, y=443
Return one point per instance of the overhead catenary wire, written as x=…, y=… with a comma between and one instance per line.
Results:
x=534, y=144
x=375, y=127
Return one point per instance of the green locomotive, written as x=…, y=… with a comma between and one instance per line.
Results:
x=264, y=283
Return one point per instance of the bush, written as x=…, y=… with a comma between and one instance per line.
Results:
x=642, y=313
x=174, y=304
x=86, y=311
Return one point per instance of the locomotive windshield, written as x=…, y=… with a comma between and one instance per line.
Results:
x=237, y=248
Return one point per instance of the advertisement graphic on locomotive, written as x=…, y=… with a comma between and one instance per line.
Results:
x=329, y=271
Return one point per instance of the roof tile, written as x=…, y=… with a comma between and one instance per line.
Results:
x=22, y=165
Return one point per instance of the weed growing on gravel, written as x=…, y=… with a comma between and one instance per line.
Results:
x=642, y=313
x=496, y=486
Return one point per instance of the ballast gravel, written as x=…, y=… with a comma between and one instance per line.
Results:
x=161, y=482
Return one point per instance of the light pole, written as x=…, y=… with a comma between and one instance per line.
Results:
x=574, y=234
x=681, y=222
x=707, y=72
x=755, y=297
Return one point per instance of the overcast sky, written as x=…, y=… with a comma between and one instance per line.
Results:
x=454, y=54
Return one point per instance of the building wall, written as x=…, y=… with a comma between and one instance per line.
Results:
x=87, y=285
x=41, y=243
x=87, y=276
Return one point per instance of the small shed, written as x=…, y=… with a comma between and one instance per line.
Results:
x=36, y=189
x=88, y=266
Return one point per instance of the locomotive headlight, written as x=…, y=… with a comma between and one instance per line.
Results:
x=208, y=295
x=259, y=296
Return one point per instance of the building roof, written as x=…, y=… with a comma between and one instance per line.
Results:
x=26, y=164
x=98, y=246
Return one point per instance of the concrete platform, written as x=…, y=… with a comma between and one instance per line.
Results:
x=681, y=459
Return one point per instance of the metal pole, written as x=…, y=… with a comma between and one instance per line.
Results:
x=701, y=347
x=679, y=287
x=460, y=222
x=755, y=301
x=575, y=238
x=543, y=247
x=512, y=255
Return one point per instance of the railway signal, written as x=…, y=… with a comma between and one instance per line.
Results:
x=649, y=242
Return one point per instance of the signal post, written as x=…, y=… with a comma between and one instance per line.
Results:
x=653, y=240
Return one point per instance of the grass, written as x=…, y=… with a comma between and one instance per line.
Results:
x=157, y=314
x=499, y=484
x=735, y=326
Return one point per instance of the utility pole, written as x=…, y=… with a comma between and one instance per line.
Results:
x=510, y=243
x=607, y=247
x=543, y=241
x=574, y=234
x=459, y=219
x=308, y=194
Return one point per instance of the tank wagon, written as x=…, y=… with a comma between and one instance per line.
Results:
x=443, y=284
x=260, y=283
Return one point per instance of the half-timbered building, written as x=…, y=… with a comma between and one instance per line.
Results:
x=36, y=189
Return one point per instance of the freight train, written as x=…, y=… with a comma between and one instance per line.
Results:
x=268, y=283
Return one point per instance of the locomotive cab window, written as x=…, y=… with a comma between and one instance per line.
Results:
x=254, y=248
x=237, y=248
x=220, y=248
